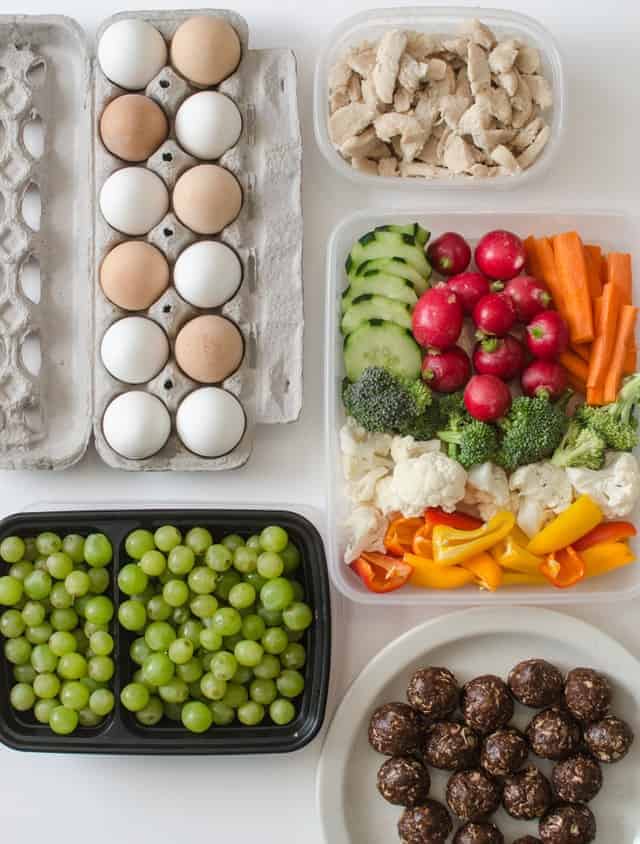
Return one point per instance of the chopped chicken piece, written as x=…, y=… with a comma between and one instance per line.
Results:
x=350, y=120
x=402, y=100
x=457, y=46
x=421, y=45
x=522, y=104
x=354, y=89
x=479, y=171
x=458, y=155
x=452, y=108
x=385, y=73
x=540, y=90
x=418, y=168
x=475, y=119
x=479, y=33
x=388, y=166
x=489, y=139
x=338, y=99
x=532, y=152
x=478, y=69
x=426, y=111
x=365, y=145
x=413, y=135
x=497, y=103
x=503, y=156
x=429, y=152
x=362, y=59
x=396, y=147
x=436, y=70
x=509, y=81
x=412, y=73
x=463, y=88
x=339, y=75
x=369, y=95
x=528, y=60
x=442, y=143
x=503, y=56
x=447, y=85
x=527, y=135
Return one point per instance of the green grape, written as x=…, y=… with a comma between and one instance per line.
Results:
x=39, y=634
x=158, y=609
x=180, y=651
x=157, y=669
x=46, y=685
x=12, y=622
x=213, y=688
x=132, y=580
x=256, y=580
x=219, y=558
x=167, y=537
x=101, y=701
x=277, y=594
x=139, y=650
x=77, y=583
x=22, y=697
x=298, y=616
x=235, y=695
x=253, y=627
x=290, y=558
x=48, y=543
x=17, y=651
x=222, y=714
x=11, y=589
x=199, y=540
x=64, y=620
x=99, y=610
x=196, y=716
x=87, y=718
x=37, y=585
x=138, y=677
x=275, y=640
x=33, y=613
x=268, y=668
x=59, y=565
x=293, y=656
x=38, y=565
x=153, y=563
x=227, y=621
x=74, y=695
x=30, y=549
x=290, y=683
x=98, y=581
x=89, y=629
x=263, y=691
x=298, y=590
x=272, y=618
x=92, y=684
x=251, y=713
x=223, y=665
x=210, y=639
x=202, y=580
x=138, y=543
x=232, y=541
x=134, y=697
x=244, y=559
x=131, y=615
x=72, y=666
x=80, y=605
x=270, y=565
x=60, y=598
x=190, y=671
x=248, y=653
x=101, y=668
x=173, y=711
x=282, y=712
x=195, y=692
x=191, y=630
x=204, y=606
x=175, y=691
x=181, y=560
x=274, y=538
x=97, y=550
x=226, y=583
x=243, y=675
x=175, y=593
x=21, y=570
x=151, y=714
x=73, y=546
x=180, y=615
x=82, y=642
x=101, y=643
x=242, y=595
x=62, y=642
x=43, y=659
x=159, y=635
x=254, y=543
x=43, y=709
x=24, y=673
x=63, y=720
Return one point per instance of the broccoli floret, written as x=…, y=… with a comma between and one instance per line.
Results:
x=531, y=431
x=425, y=426
x=616, y=423
x=470, y=441
x=580, y=448
x=383, y=403
x=452, y=405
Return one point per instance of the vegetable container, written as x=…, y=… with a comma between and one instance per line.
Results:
x=120, y=733
x=614, y=231
x=372, y=24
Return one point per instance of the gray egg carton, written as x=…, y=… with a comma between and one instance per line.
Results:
x=268, y=308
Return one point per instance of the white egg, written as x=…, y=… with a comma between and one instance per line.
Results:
x=211, y=422
x=136, y=424
x=208, y=124
x=207, y=274
x=131, y=52
x=134, y=349
x=133, y=200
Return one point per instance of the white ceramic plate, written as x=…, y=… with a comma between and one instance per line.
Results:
x=473, y=642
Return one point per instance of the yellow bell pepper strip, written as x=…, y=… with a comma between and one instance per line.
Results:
x=452, y=546
x=487, y=572
x=520, y=536
x=510, y=554
x=516, y=578
x=605, y=557
x=563, y=568
x=576, y=521
x=399, y=537
x=427, y=575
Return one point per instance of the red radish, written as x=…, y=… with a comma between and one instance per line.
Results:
x=547, y=335
x=487, y=398
x=469, y=288
x=500, y=254
x=437, y=318
x=503, y=357
x=527, y=296
x=446, y=371
x=449, y=254
x=494, y=314
x=544, y=378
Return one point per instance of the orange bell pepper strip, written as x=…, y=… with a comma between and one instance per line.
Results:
x=605, y=532
x=380, y=572
x=605, y=557
x=399, y=537
x=422, y=545
x=462, y=521
x=563, y=568
x=427, y=575
x=486, y=571
x=452, y=546
x=572, y=524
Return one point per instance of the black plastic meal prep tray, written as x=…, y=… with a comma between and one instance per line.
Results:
x=120, y=733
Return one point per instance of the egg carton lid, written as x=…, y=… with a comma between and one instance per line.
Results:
x=47, y=77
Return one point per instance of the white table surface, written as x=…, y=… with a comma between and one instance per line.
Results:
x=271, y=799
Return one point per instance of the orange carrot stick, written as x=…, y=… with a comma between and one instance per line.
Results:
x=630, y=361
x=575, y=365
x=583, y=350
x=547, y=271
x=603, y=345
x=533, y=264
x=595, y=395
x=619, y=272
x=603, y=270
x=625, y=329
x=571, y=267
x=593, y=256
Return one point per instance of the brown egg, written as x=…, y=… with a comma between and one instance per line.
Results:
x=209, y=348
x=133, y=126
x=207, y=198
x=134, y=274
x=205, y=50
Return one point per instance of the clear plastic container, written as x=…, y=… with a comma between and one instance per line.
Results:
x=372, y=24
x=613, y=231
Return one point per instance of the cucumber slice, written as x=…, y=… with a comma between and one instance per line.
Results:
x=386, y=244
x=380, y=343
x=369, y=307
x=380, y=284
x=415, y=230
x=393, y=266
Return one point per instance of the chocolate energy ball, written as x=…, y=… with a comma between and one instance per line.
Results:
x=568, y=824
x=478, y=833
x=609, y=740
x=396, y=729
x=404, y=781
x=429, y=823
x=527, y=839
x=450, y=746
x=472, y=795
x=434, y=692
x=536, y=683
x=587, y=694
x=577, y=779
x=526, y=794
x=504, y=752
x=486, y=703
x=553, y=734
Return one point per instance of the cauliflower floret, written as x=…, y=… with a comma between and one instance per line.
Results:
x=430, y=480
x=404, y=448
x=615, y=488
x=488, y=490
x=363, y=489
x=366, y=528
x=544, y=490
x=363, y=454
x=354, y=440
